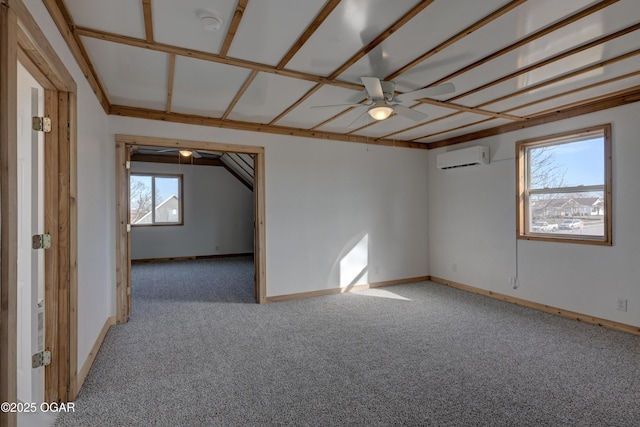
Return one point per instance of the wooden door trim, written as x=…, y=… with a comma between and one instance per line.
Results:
x=22, y=39
x=123, y=260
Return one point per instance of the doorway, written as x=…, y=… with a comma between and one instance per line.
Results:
x=124, y=145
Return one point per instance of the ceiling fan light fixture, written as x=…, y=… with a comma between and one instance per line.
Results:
x=380, y=110
x=186, y=153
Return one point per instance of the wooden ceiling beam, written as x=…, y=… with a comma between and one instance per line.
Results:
x=462, y=34
x=382, y=37
x=580, y=89
x=206, y=56
x=474, y=110
x=526, y=40
x=170, y=80
x=560, y=78
x=601, y=104
x=451, y=130
x=421, y=124
x=459, y=36
x=577, y=104
x=143, y=113
x=62, y=19
x=297, y=103
x=550, y=60
x=306, y=35
x=239, y=94
x=148, y=20
x=233, y=27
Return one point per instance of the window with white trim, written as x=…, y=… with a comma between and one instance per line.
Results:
x=155, y=199
x=564, y=187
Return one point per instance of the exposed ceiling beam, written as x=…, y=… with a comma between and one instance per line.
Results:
x=239, y=94
x=580, y=89
x=315, y=24
x=550, y=60
x=191, y=53
x=61, y=17
x=452, y=129
x=606, y=96
x=470, y=109
x=421, y=124
x=233, y=27
x=462, y=34
x=170, y=80
x=382, y=37
x=297, y=103
x=602, y=104
x=143, y=113
x=148, y=20
x=561, y=78
x=526, y=40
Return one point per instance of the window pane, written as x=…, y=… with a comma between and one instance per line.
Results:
x=572, y=214
x=140, y=196
x=167, y=199
x=567, y=165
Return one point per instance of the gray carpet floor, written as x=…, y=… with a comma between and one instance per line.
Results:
x=199, y=352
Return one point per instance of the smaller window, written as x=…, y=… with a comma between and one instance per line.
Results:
x=564, y=187
x=155, y=199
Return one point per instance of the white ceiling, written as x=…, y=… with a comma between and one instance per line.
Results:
x=506, y=68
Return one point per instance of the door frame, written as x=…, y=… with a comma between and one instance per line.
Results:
x=21, y=39
x=123, y=236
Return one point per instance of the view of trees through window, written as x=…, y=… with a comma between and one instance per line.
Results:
x=155, y=199
x=565, y=186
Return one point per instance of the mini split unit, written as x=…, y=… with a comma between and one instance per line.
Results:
x=462, y=158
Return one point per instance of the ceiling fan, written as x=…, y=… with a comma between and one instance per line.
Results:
x=382, y=100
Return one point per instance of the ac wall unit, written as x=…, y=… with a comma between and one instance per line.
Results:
x=461, y=158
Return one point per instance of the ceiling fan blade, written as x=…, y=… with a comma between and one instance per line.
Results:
x=335, y=105
x=426, y=92
x=409, y=113
x=373, y=86
x=195, y=154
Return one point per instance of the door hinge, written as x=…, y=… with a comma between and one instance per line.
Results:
x=127, y=165
x=129, y=290
x=41, y=241
x=42, y=358
x=128, y=228
x=41, y=124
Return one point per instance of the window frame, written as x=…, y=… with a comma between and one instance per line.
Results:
x=153, y=176
x=523, y=192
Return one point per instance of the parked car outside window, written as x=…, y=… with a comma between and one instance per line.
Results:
x=571, y=224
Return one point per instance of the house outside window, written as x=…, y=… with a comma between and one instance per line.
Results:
x=564, y=187
x=155, y=199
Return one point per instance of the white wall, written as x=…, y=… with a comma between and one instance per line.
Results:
x=96, y=198
x=322, y=199
x=218, y=215
x=472, y=223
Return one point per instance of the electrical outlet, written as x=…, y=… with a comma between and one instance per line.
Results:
x=622, y=304
x=454, y=267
